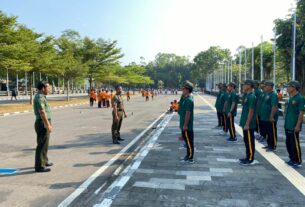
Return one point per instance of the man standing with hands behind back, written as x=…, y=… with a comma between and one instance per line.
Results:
x=43, y=127
x=117, y=114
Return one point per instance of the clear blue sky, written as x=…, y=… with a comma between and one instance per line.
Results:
x=146, y=27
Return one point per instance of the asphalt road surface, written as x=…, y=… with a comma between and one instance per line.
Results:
x=80, y=144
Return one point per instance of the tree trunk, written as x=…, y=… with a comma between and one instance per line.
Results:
x=90, y=82
x=68, y=88
x=31, y=90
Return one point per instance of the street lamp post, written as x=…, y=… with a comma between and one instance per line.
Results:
x=262, y=55
x=252, y=71
x=294, y=43
x=245, y=63
x=239, y=81
x=231, y=70
x=274, y=57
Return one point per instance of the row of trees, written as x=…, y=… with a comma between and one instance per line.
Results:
x=68, y=57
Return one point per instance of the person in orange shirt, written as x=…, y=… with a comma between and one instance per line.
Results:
x=147, y=95
x=92, y=97
x=280, y=97
x=128, y=95
x=103, y=96
x=99, y=99
x=111, y=94
x=108, y=98
x=143, y=93
x=152, y=94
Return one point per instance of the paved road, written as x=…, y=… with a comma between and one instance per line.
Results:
x=216, y=179
x=81, y=144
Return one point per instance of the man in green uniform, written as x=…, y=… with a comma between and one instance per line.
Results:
x=218, y=109
x=257, y=92
x=231, y=110
x=222, y=105
x=117, y=115
x=248, y=122
x=186, y=112
x=43, y=127
x=293, y=123
x=269, y=115
x=262, y=128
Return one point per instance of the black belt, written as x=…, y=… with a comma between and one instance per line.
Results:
x=120, y=109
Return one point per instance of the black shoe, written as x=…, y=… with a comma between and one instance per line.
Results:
x=265, y=147
x=247, y=162
x=242, y=160
x=42, y=170
x=116, y=142
x=49, y=164
x=120, y=139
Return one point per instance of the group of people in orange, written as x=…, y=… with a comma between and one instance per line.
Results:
x=146, y=93
x=103, y=98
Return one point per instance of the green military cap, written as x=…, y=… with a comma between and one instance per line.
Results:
x=294, y=84
x=262, y=82
x=225, y=85
x=249, y=82
x=188, y=85
x=269, y=83
x=232, y=84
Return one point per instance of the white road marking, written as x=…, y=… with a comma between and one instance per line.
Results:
x=102, y=169
x=114, y=189
x=294, y=177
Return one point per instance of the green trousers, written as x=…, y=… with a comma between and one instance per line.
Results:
x=116, y=125
x=43, y=137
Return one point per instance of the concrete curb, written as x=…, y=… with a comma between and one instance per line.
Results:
x=28, y=111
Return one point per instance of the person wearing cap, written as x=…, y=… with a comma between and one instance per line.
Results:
x=293, y=123
x=231, y=110
x=222, y=105
x=269, y=115
x=262, y=128
x=218, y=110
x=186, y=112
x=248, y=122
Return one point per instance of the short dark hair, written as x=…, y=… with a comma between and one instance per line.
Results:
x=42, y=84
x=117, y=87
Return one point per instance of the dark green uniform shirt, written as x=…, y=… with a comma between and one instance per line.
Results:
x=295, y=105
x=269, y=100
x=249, y=103
x=232, y=97
x=186, y=104
x=41, y=103
x=222, y=100
x=217, y=106
x=259, y=104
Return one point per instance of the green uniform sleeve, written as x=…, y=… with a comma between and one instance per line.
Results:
x=41, y=103
x=252, y=102
x=234, y=98
x=274, y=100
x=188, y=105
x=302, y=104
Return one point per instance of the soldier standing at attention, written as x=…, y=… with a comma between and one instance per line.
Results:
x=186, y=112
x=257, y=92
x=222, y=105
x=269, y=117
x=248, y=122
x=231, y=111
x=117, y=115
x=43, y=127
x=262, y=128
x=293, y=123
x=219, y=117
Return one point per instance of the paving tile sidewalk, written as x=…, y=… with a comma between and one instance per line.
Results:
x=215, y=179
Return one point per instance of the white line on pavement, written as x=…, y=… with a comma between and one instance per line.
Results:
x=294, y=177
x=102, y=169
x=115, y=188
